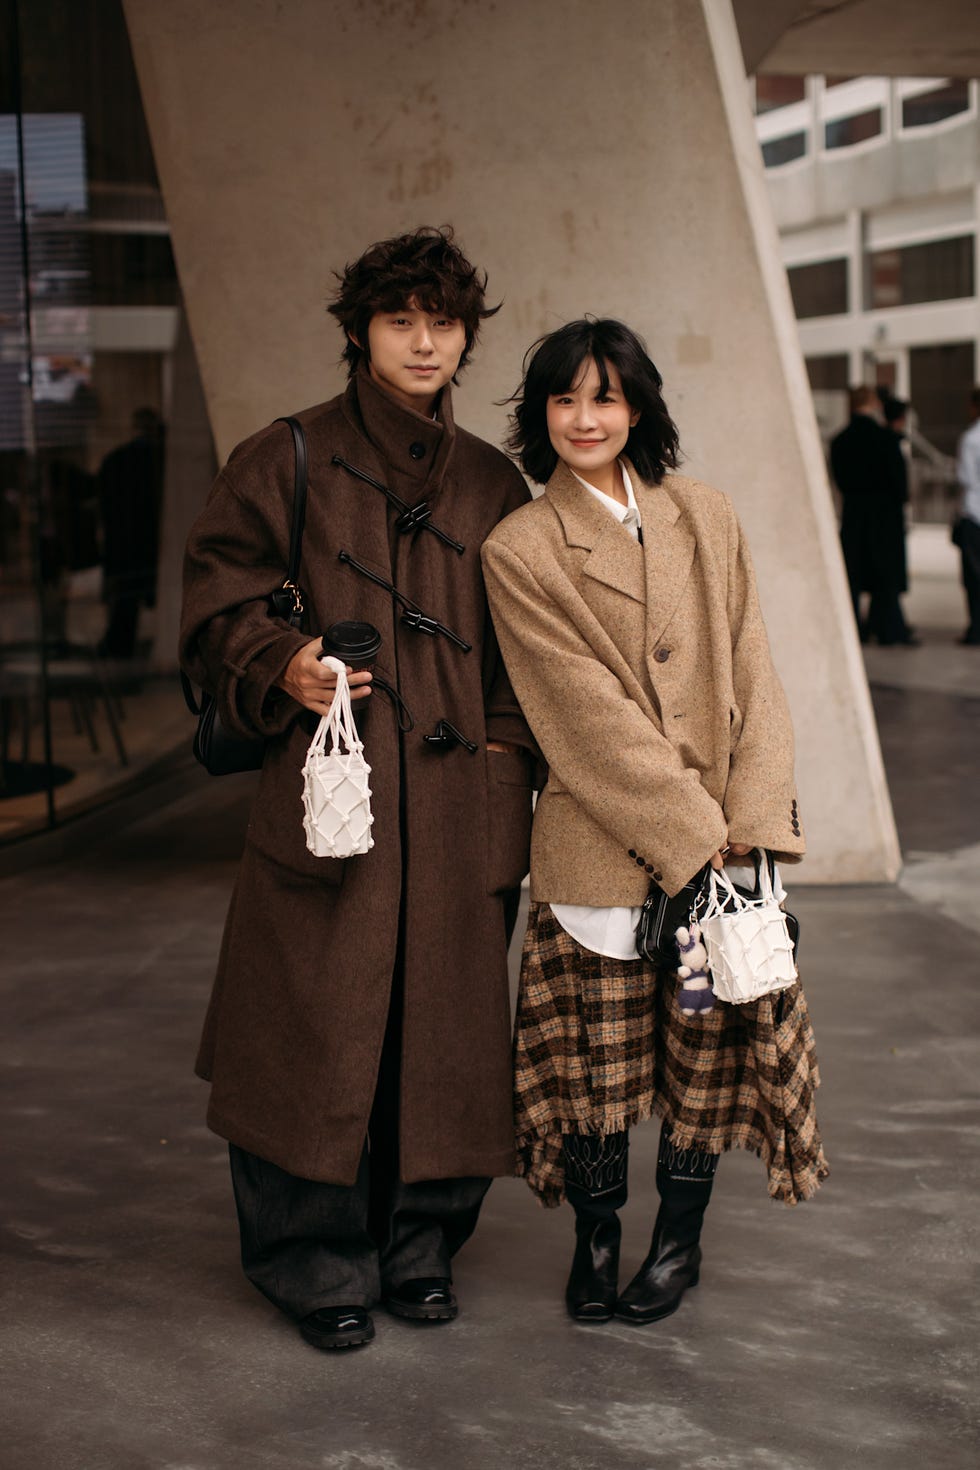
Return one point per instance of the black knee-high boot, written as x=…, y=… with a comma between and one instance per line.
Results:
x=596, y=1187
x=673, y=1263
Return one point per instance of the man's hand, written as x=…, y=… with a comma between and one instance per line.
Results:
x=504, y=746
x=737, y=849
x=312, y=683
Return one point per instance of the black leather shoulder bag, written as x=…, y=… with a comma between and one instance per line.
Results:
x=220, y=751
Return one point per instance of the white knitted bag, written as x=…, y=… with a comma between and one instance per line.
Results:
x=336, y=795
x=749, y=949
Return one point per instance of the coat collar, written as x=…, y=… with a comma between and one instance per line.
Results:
x=395, y=431
x=654, y=573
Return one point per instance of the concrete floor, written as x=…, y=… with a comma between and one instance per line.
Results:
x=840, y=1334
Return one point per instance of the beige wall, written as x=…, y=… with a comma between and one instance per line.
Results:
x=594, y=161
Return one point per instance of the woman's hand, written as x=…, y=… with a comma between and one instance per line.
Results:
x=312, y=683
x=735, y=849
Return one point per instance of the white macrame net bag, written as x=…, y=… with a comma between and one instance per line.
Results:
x=749, y=949
x=336, y=796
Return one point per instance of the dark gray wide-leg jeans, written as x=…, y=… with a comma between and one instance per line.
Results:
x=307, y=1245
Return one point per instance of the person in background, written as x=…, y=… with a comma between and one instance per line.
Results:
x=869, y=468
x=967, y=527
x=130, y=483
x=626, y=608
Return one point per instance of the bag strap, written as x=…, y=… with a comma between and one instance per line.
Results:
x=299, y=498
x=188, y=690
x=338, y=722
x=724, y=897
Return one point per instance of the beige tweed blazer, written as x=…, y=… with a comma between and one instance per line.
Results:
x=645, y=675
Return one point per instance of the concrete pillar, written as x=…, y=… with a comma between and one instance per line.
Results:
x=593, y=159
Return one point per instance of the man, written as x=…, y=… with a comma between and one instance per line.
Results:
x=869, y=468
x=131, y=493
x=358, y=1037
x=967, y=529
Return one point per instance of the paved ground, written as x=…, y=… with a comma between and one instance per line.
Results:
x=841, y=1334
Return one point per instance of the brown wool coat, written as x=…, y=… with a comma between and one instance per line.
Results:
x=645, y=675
x=294, y=1030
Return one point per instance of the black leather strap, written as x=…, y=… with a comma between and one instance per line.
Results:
x=299, y=497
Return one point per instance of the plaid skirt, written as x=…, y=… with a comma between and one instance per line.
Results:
x=600, y=1044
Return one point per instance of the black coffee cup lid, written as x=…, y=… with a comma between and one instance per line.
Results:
x=351, y=641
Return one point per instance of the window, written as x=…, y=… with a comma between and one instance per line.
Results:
x=819, y=289
x=89, y=584
x=775, y=91
x=844, y=132
x=940, y=270
x=828, y=374
x=940, y=380
x=784, y=150
x=932, y=107
x=132, y=270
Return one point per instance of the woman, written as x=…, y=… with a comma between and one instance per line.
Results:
x=626, y=610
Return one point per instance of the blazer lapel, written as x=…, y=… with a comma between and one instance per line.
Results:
x=668, y=552
x=616, y=558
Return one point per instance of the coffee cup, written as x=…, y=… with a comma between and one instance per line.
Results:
x=356, y=644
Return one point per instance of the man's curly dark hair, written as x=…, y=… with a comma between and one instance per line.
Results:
x=426, y=268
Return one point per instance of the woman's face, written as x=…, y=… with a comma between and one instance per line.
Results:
x=589, y=429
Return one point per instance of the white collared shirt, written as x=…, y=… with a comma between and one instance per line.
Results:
x=968, y=471
x=610, y=932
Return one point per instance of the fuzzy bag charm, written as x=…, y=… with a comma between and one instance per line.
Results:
x=336, y=796
x=695, y=996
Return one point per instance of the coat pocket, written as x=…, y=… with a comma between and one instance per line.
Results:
x=275, y=826
x=508, y=819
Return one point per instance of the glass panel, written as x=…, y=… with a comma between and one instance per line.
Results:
x=104, y=444
x=777, y=91
x=27, y=772
x=844, y=132
x=933, y=107
x=819, y=289
x=940, y=381
x=784, y=150
x=940, y=270
x=828, y=374
x=941, y=378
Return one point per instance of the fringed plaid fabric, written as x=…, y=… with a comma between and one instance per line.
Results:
x=600, y=1044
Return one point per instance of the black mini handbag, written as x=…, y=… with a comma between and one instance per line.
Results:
x=220, y=751
x=661, y=917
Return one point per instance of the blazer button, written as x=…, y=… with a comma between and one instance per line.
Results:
x=640, y=862
x=657, y=875
x=649, y=867
x=662, y=655
x=632, y=852
x=417, y=450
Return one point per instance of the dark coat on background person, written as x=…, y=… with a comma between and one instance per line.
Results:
x=297, y=1018
x=870, y=472
x=131, y=494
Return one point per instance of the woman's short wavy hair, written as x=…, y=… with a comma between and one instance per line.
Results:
x=426, y=267
x=554, y=364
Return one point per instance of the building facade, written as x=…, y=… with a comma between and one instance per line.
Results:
x=875, y=187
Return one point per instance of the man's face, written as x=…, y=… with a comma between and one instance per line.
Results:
x=413, y=354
